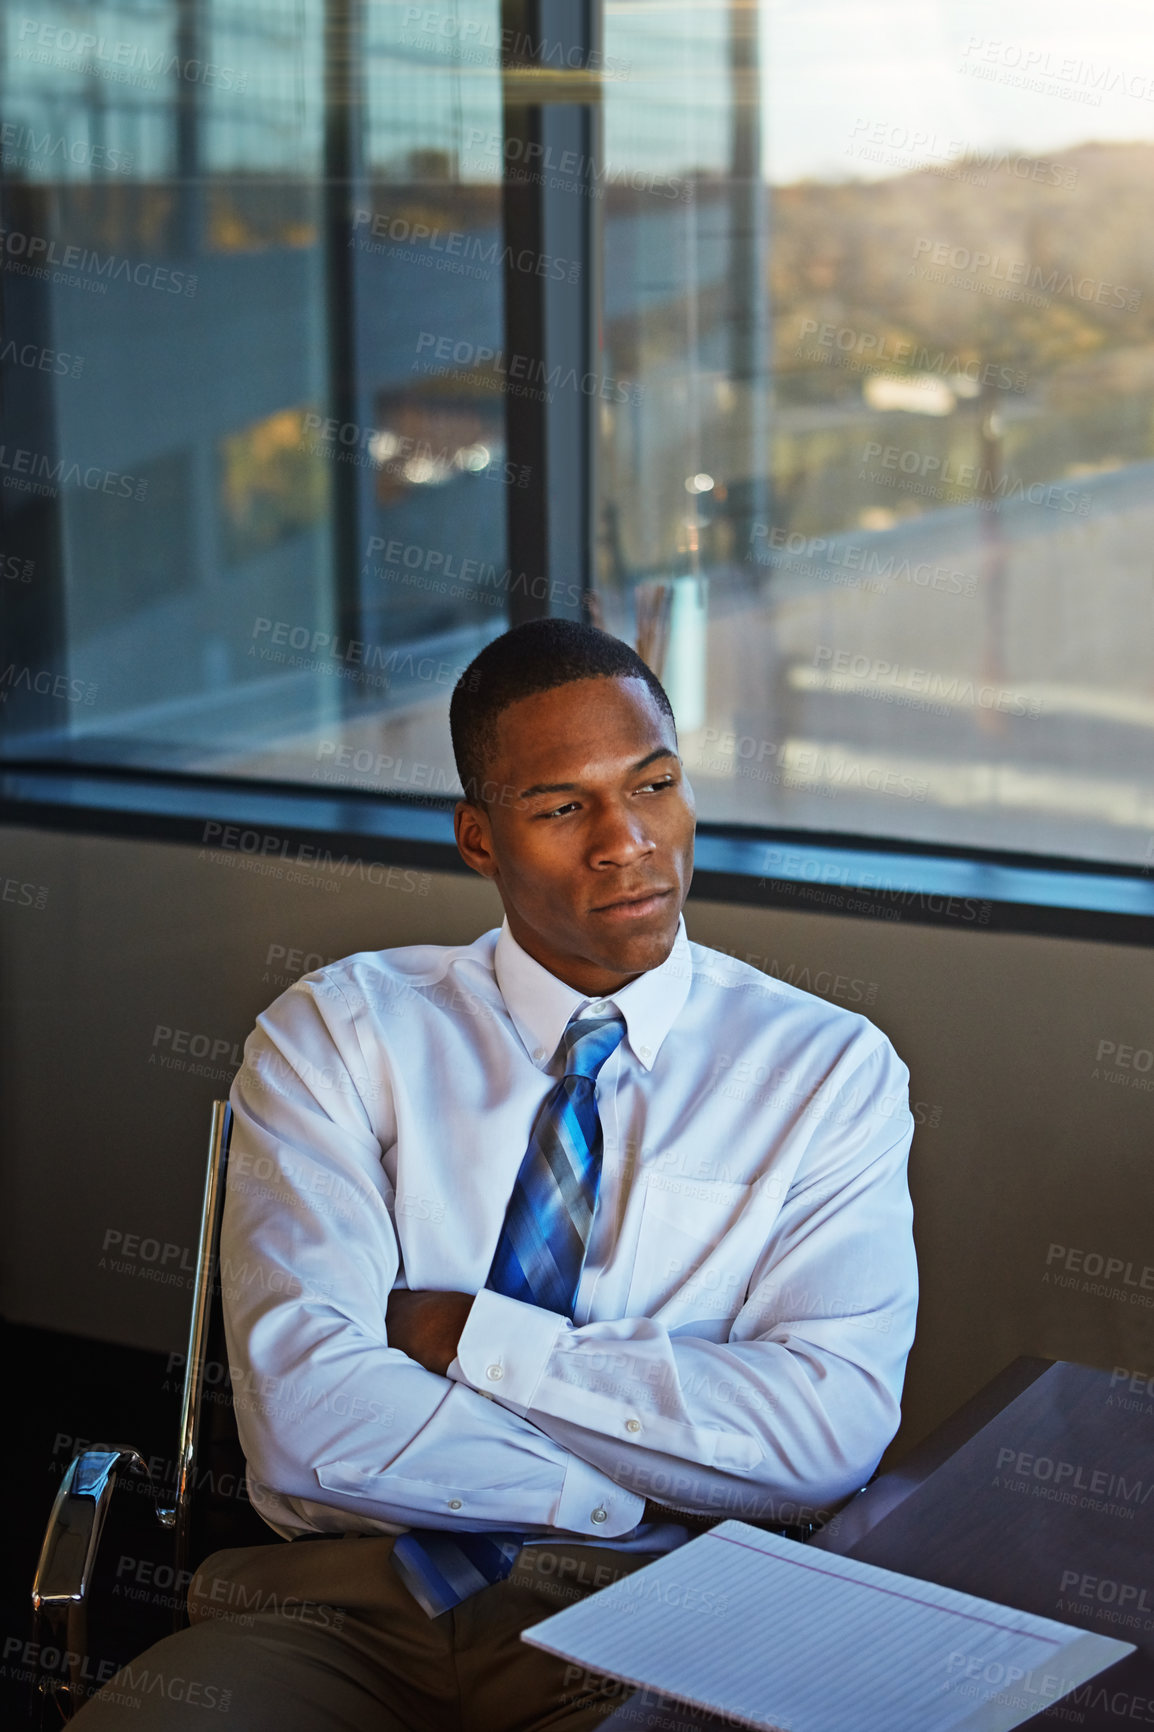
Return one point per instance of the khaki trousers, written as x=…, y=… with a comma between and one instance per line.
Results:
x=323, y=1636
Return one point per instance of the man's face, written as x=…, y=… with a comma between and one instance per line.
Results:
x=589, y=834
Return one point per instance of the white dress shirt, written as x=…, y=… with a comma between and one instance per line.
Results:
x=747, y=1301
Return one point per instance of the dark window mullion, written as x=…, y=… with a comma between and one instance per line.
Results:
x=343, y=133
x=33, y=607
x=550, y=323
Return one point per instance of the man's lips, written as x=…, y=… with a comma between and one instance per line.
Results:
x=636, y=907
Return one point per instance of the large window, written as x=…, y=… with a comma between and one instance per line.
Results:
x=230, y=227
x=810, y=347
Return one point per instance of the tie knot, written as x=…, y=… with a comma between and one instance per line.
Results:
x=589, y=1042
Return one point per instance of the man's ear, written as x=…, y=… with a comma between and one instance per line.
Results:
x=474, y=833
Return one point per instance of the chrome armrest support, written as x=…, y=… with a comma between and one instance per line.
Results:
x=72, y=1536
x=64, y=1573
x=64, y=1576
x=188, y=1450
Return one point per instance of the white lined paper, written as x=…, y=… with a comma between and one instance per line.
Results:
x=789, y=1640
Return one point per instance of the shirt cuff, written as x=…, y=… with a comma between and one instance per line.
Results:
x=506, y=1345
x=591, y=1504
x=503, y=1351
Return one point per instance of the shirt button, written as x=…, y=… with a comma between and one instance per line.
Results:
x=598, y=1009
x=600, y=1515
x=538, y=1054
x=646, y=1052
x=494, y=1373
x=454, y=1503
x=633, y=1425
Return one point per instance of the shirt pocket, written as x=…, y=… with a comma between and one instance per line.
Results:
x=688, y=1266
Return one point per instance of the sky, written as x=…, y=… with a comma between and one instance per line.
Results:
x=926, y=80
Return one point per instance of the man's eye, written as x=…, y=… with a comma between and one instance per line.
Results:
x=559, y=811
x=665, y=782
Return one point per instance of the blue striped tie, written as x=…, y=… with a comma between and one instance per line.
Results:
x=538, y=1259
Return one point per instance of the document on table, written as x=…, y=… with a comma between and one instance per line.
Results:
x=776, y=1636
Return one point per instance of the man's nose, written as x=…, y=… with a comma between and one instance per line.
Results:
x=622, y=836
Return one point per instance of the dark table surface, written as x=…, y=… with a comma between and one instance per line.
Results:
x=1038, y=1494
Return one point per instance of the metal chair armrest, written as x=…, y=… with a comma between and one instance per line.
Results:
x=68, y=1556
x=64, y=1575
x=71, y=1538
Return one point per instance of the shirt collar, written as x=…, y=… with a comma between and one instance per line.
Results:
x=541, y=1006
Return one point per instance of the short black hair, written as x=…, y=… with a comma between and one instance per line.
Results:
x=531, y=658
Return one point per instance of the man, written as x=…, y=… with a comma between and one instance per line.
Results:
x=542, y=1252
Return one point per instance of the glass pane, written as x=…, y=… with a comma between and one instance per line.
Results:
x=253, y=530
x=882, y=517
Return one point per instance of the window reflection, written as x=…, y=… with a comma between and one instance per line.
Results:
x=910, y=596
x=873, y=389
x=234, y=281
x=271, y=486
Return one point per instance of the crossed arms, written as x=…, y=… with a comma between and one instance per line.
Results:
x=362, y=1404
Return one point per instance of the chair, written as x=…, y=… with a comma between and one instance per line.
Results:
x=208, y=1508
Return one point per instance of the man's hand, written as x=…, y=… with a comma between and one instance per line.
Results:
x=427, y=1326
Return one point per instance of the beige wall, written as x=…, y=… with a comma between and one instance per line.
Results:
x=1022, y=1145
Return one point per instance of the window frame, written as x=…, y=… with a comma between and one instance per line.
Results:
x=807, y=872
